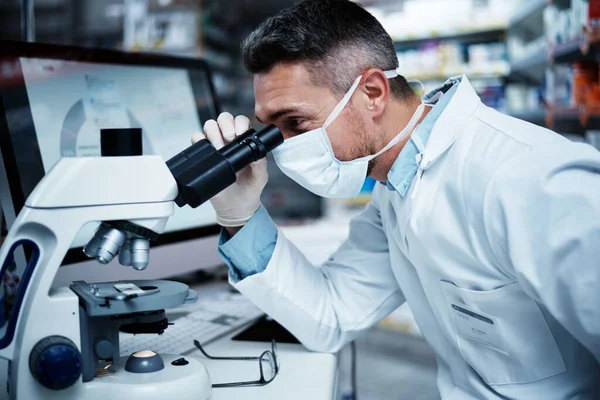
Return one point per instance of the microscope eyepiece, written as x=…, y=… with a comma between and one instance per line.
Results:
x=201, y=171
x=121, y=142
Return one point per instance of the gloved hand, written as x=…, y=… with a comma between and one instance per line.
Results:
x=238, y=203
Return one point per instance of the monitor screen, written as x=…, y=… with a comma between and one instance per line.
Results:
x=54, y=104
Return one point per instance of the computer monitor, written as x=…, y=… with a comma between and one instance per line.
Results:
x=53, y=102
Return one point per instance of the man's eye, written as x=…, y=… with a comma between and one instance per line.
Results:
x=295, y=123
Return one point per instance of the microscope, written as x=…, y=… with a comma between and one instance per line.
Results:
x=63, y=343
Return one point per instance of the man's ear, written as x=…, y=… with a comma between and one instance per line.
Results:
x=376, y=87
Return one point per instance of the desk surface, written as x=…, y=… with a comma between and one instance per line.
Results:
x=302, y=375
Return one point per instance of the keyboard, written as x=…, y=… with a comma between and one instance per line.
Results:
x=204, y=321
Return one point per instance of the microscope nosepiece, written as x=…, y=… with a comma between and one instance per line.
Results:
x=130, y=243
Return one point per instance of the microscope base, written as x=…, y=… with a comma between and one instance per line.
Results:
x=183, y=382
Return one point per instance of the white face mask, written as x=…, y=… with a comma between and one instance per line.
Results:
x=309, y=160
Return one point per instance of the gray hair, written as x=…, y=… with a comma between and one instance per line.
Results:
x=335, y=39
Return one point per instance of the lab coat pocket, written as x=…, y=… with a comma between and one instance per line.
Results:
x=503, y=334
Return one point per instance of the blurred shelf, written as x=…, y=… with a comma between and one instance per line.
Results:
x=585, y=115
x=564, y=113
x=530, y=9
x=526, y=64
x=579, y=49
x=219, y=39
x=217, y=68
x=563, y=119
x=470, y=74
x=565, y=51
x=537, y=117
x=469, y=35
x=590, y=116
x=562, y=4
x=170, y=7
x=573, y=120
x=38, y=7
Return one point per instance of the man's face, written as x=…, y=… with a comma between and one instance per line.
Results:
x=289, y=99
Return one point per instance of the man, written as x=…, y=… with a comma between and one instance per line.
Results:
x=489, y=227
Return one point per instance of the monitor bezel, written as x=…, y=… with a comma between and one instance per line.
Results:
x=19, y=49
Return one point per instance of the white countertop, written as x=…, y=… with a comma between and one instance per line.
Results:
x=303, y=374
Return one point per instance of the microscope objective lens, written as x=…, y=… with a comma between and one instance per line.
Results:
x=110, y=245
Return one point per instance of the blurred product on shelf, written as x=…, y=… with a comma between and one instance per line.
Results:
x=444, y=59
x=520, y=48
x=585, y=83
x=492, y=93
x=562, y=26
x=521, y=99
x=487, y=57
x=556, y=65
x=593, y=137
x=171, y=27
x=573, y=86
x=411, y=20
x=593, y=14
x=559, y=86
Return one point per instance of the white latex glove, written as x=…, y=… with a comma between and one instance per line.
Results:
x=238, y=203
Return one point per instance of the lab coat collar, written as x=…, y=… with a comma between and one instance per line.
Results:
x=451, y=122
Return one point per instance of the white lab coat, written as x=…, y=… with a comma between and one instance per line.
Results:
x=505, y=223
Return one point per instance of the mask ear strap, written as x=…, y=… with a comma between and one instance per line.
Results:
x=410, y=127
x=414, y=80
x=342, y=104
x=393, y=73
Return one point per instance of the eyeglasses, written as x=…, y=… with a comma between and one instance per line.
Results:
x=267, y=364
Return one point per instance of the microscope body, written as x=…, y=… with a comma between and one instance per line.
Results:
x=75, y=192
x=55, y=338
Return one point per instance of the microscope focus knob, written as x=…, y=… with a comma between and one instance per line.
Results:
x=55, y=362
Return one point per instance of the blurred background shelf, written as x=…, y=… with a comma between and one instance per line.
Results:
x=537, y=117
x=569, y=120
x=570, y=51
x=465, y=35
x=561, y=4
x=526, y=10
x=530, y=66
x=482, y=76
x=519, y=54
